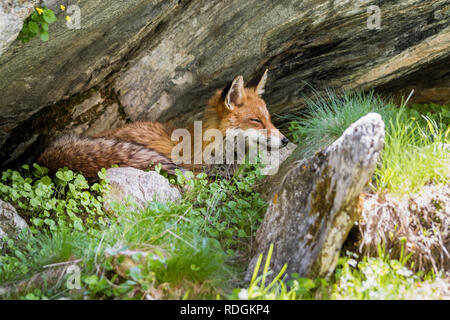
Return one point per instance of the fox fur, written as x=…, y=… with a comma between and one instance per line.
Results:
x=143, y=144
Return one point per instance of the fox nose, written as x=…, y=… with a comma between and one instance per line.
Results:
x=284, y=141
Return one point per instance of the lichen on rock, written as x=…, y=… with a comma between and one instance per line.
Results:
x=316, y=202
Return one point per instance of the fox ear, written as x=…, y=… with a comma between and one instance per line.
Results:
x=233, y=94
x=260, y=87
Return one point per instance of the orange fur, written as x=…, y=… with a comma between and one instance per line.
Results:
x=235, y=107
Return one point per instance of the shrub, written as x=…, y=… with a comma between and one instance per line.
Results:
x=37, y=23
x=194, y=244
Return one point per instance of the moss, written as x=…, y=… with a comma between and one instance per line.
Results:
x=321, y=203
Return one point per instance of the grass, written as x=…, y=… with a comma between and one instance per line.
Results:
x=382, y=278
x=370, y=278
x=414, y=155
x=326, y=117
x=196, y=248
x=30, y=252
x=415, y=151
x=297, y=288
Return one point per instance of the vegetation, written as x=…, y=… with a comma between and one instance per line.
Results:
x=382, y=278
x=37, y=23
x=200, y=246
x=191, y=247
x=370, y=278
x=415, y=152
x=66, y=200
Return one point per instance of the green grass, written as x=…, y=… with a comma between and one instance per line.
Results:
x=370, y=278
x=326, y=117
x=414, y=155
x=30, y=252
x=297, y=288
x=414, y=152
x=189, y=254
x=382, y=278
x=195, y=248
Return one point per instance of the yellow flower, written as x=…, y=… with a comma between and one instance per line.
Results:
x=68, y=18
x=62, y=7
x=39, y=10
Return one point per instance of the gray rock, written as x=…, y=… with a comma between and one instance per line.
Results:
x=143, y=187
x=315, y=204
x=275, y=159
x=10, y=222
x=12, y=15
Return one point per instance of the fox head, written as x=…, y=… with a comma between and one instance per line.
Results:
x=243, y=111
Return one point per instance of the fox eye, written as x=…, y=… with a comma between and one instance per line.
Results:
x=256, y=120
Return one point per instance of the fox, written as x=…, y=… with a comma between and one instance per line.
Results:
x=143, y=145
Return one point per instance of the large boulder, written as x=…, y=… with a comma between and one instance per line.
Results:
x=315, y=203
x=139, y=186
x=162, y=60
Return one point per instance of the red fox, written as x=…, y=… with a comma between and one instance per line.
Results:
x=144, y=144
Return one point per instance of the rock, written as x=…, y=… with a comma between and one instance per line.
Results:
x=162, y=60
x=143, y=187
x=315, y=204
x=86, y=114
x=12, y=15
x=10, y=222
x=275, y=159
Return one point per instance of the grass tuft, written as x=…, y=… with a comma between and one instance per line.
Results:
x=416, y=149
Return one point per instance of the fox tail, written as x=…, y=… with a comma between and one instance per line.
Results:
x=89, y=155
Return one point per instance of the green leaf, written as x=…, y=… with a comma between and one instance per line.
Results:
x=33, y=27
x=38, y=222
x=34, y=202
x=49, y=16
x=46, y=180
x=35, y=16
x=44, y=35
x=194, y=267
x=44, y=26
x=60, y=175
x=241, y=234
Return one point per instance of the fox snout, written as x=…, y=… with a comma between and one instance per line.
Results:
x=273, y=139
x=277, y=141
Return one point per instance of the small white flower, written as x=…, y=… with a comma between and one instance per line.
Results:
x=243, y=294
x=369, y=284
x=374, y=295
x=405, y=272
x=352, y=263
